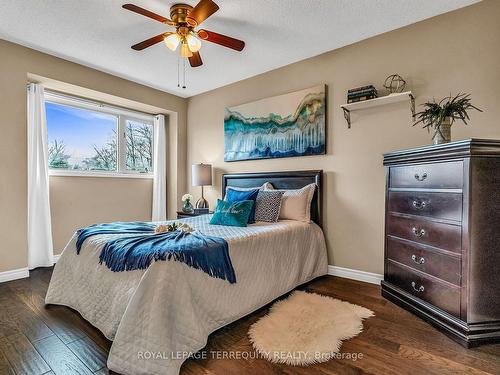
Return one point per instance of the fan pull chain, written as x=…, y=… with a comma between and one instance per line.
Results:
x=184, y=72
x=178, y=72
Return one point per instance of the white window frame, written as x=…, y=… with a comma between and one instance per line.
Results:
x=122, y=115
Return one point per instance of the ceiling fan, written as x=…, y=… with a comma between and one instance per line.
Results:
x=185, y=19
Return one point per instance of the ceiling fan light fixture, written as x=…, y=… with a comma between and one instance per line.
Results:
x=185, y=51
x=193, y=42
x=184, y=18
x=172, y=41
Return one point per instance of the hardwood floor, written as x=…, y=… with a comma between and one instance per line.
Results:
x=35, y=339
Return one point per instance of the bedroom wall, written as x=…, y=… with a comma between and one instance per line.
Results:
x=450, y=53
x=75, y=201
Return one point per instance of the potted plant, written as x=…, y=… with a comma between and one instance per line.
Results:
x=441, y=115
x=187, y=207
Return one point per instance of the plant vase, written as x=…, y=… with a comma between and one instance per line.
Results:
x=187, y=207
x=443, y=132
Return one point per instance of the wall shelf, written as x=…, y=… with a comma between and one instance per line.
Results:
x=388, y=99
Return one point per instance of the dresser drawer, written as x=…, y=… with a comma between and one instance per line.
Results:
x=437, y=205
x=442, y=266
x=435, y=176
x=444, y=236
x=440, y=294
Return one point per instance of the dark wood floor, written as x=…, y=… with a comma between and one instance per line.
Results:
x=35, y=339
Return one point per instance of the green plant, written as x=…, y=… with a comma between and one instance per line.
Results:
x=435, y=112
x=172, y=227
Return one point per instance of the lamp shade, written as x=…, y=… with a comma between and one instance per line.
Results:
x=201, y=175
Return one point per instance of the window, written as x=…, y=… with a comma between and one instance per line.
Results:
x=86, y=138
x=139, y=141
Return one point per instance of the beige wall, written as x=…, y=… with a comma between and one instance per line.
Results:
x=455, y=52
x=75, y=201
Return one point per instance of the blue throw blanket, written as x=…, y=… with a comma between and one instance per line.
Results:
x=208, y=253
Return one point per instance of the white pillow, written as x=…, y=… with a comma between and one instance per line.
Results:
x=296, y=204
x=265, y=186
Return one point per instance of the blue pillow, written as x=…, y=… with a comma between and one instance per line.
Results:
x=234, y=214
x=243, y=195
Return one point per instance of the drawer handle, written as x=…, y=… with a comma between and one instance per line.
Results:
x=419, y=205
x=420, y=177
x=418, y=232
x=420, y=261
x=420, y=289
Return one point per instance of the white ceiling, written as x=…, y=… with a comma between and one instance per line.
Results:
x=99, y=33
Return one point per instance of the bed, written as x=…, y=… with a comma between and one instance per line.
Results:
x=158, y=316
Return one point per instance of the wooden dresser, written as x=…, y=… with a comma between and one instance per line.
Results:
x=442, y=242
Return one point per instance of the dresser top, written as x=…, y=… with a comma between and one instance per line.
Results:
x=473, y=147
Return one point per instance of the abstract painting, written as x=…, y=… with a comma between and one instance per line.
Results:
x=278, y=127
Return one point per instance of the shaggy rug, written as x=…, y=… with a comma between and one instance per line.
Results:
x=306, y=328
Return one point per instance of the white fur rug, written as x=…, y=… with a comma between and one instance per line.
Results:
x=306, y=328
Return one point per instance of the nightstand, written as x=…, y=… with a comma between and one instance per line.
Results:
x=184, y=215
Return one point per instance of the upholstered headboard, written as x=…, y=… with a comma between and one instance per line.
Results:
x=280, y=180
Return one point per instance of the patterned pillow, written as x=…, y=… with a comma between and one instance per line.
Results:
x=268, y=205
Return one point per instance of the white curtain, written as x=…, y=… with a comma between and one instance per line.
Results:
x=160, y=175
x=40, y=249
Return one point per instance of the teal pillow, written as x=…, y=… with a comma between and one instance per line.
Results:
x=233, y=195
x=234, y=214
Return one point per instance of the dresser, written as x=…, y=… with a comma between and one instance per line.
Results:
x=442, y=237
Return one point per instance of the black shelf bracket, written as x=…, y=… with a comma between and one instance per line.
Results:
x=347, y=116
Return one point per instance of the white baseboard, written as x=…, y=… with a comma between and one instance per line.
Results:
x=20, y=273
x=348, y=273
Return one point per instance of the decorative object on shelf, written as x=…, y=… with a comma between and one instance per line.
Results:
x=395, y=83
x=441, y=115
x=287, y=125
x=388, y=99
x=361, y=93
x=201, y=175
x=187, y=206
x=201, y=211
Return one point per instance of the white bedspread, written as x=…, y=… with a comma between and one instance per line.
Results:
x=171, y=307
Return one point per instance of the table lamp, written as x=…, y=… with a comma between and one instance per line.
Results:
x=201, y=175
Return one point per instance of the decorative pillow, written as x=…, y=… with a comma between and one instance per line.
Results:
x=232, y=213
x=296, y=204
x=268, y=205
x=243, y=195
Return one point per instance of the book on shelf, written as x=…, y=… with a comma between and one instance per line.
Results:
x=369, y=87
x=360, y=98
x=360, y=92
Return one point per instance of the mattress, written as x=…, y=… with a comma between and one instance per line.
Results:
x=156, y=317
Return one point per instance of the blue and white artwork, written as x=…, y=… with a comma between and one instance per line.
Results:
x=278, y=127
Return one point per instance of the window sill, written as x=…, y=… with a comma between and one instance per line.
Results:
x=63, y=173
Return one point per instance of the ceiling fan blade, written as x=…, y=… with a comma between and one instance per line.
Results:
x=203, y=10
x=149, y=42
x=195, y=60
x=147, y=13
x=223, y=40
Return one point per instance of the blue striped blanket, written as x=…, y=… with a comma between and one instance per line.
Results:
x=142, y=246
